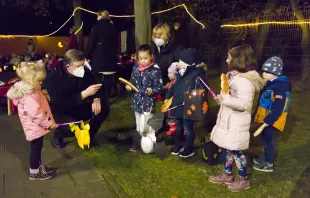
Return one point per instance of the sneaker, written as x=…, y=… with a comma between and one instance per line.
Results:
x=176, y=150
x=259, y=159
x=41, y=175
x=187, y=153
x=264, y=167
x=222, y=178
x=240, y=184
x=57, y=143
x=47, y=169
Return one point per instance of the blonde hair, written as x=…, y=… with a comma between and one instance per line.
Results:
x=31, y=72
x=161, y=30
x=104, y=14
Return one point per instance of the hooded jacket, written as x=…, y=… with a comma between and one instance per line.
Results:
x=33, y=109
x=234, y=118
x=274, y=102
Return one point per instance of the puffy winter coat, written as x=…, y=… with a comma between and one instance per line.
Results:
x=150, y=78
x=33, y=109
x=234, y=118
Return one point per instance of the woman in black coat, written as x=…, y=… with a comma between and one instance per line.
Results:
x=102, y=49
x=165, y=49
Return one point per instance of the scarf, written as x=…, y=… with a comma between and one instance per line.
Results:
x=143, y=68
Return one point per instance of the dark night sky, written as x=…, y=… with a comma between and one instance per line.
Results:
x=14, y=21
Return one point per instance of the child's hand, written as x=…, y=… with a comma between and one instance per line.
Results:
x=53, y=126
x=168, y=85
x=128, y=88
x=218, y=99
x=148, y=91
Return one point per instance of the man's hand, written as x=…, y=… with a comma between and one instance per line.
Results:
x=148, y=91
x=96, y=106
x=90, y=91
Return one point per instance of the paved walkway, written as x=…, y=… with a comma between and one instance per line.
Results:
x=76, y=176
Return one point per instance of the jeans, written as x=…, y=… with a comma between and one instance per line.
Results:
x=268, y=136
x=187, y=125
x=35, y=152
x=240, y=160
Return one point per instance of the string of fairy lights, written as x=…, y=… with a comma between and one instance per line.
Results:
x=241, y=25
x=293, y=22
x=115, y=16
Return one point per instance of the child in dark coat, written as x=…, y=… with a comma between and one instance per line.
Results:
x=146, y=76
x=188, y=74
x=272, y=109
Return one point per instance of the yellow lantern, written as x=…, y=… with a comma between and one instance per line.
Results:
x=14, y=67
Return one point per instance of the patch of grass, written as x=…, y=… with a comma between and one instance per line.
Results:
x=142, y=175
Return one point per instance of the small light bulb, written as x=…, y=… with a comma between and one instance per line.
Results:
x=194, y=93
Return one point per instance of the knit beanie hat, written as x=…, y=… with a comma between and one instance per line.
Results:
x=173, y=68
x=188, y=56
x=273, y=65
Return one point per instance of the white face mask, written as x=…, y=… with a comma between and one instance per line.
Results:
x=79, y=72
x=182, y=71
x=159, y=42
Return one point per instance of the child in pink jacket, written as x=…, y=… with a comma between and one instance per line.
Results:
x=34, y=113
x=172, y=75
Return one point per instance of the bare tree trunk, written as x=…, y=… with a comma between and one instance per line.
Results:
x=142, y=22
x=304, y=42
x=78, y=23
x=263, y=31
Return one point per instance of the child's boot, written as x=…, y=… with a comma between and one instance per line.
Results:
x=40, y=174
x=240, y=184
x=222, y=178
x=172, y=129
x=47, y=169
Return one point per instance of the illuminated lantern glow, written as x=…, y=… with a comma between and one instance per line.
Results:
x=60, y=45
x=176, y=25
x=14, y=67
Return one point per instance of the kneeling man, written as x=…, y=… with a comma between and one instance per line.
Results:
x=74, y=95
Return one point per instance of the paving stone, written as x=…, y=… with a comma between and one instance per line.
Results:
x=76, y=177
x=96, y=190
x=82, y=171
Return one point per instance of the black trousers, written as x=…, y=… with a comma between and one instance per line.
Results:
x=107, y=83
x=84, y=112
x=35, y=152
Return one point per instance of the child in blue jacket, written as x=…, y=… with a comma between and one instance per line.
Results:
x=273, y=108
x=146, y=76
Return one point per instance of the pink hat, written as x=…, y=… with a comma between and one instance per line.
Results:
x=173, y=68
